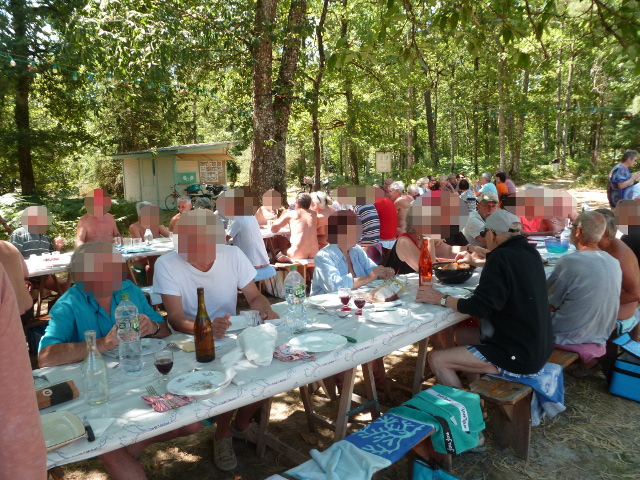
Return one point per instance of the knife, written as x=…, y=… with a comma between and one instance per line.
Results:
x=87, y=426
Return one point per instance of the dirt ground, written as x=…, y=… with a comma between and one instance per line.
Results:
x=597, y=437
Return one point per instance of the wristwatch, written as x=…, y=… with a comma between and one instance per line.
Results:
x=157, y=329
x=443, y=300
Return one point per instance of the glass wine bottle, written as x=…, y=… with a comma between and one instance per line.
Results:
x=425, y=264
x=203, y=332
x=94, y=372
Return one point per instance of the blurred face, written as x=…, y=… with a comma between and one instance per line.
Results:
x=198, y=234
x=394, y=194
x=236, y=203
x=344, y=229
x=387, y=182
x=183, y=206
x=485, y=209
x=628, y=217
x=97, y=202
x=272, y=199
x=100, y=273
x=439, y=215
x=150, y=215
x=36, y=220
x=541, y=203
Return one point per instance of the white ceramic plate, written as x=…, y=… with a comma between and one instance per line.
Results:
x=538, y=238
x=398, y=317
x=202, y=382
x=238, y=322
x=149, y=346
x=60, y=428
x=317, y=341
x=328, y=302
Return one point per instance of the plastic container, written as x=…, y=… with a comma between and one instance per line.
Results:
x=556, y=245
x=148, y=237
x=130, y=348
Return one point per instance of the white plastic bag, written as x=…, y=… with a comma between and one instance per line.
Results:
x=258, y=343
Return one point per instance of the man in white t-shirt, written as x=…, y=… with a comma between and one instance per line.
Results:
x=487, y=204
x=240, y=207
x=202, y=260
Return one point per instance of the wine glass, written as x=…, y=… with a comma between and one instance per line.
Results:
x=163, y=360
x=345, y=297
x=359, y=300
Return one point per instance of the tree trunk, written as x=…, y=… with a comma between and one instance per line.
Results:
x=431, y=129
x=521, y=120
x=452, y=124
x=501, y=123
x=559, y=106
x=263, y=171
x=409, y=132
x=19, y=23
x=352, y=154
x=565, y=130
x=285, y=88
x=315, y=126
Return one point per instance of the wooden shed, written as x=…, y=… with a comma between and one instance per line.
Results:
x=150, y=175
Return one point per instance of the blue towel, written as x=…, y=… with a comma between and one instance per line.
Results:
x=548, y=392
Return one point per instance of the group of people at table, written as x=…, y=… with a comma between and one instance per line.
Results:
x=373, y=233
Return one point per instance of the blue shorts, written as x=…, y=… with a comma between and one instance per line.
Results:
x=476, y=353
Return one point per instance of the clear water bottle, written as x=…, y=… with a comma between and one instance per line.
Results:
x=566, y=233
x=94, y=372
x=295, y=293
x=148, y=237
x=129, y=349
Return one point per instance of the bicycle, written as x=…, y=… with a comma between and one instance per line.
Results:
x=171, y=202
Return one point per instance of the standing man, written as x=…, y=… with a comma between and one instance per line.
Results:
x=184, y=205
x=620, y=179
x=515, y=325
x=401, y=202
x=487, y=204
x=303, y=223
x=97, y=225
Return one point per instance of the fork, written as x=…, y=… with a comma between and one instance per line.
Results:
x=172, y=344
x=152, y=391
x=41, y=377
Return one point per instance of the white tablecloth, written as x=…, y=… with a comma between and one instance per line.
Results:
x=136, y=421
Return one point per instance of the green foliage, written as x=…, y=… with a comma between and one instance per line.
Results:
x=233, y=170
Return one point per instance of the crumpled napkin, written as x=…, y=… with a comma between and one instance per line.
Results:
x=286, y=353
x=397, y=317
x=258, y=343
x=168, y=401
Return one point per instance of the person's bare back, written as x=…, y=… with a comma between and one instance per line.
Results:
x=304, y=233
x=96, y=229
x=402, y=204
x=630, y=277
x=16, y=269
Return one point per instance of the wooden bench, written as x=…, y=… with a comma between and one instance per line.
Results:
x=512, y=421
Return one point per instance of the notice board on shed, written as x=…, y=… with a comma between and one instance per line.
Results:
x=213, y=171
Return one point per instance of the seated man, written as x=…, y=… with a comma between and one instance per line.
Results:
x=343, y=263
x=630, y=292
x=184, y=205
x=202, y=260
x=30, y=239
x=97, y=225
x=484, y=185
x=487, y=204
x=238, y=206
x=303, y=223
x=22, y=450
x=90, y=305
x=17, y=271
x=320, y=205
x=515, y=325
x=271, y=203
x=401, y=202
x=580, y=318
x=148, y=218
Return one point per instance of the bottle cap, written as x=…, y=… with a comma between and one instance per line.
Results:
x=293, y=268
x=124, y=296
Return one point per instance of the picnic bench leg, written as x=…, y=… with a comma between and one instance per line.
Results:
x=56, y=473
x=425, y=450
x=370, y=389
x=263, y=427
x=385, y=381
x=342, y=419
x=305, y=395
x=421, y=361
x=512, y=427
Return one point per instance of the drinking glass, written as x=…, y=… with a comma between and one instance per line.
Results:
x=137, y=242
x=345, y=297
x=253, y=317
x=128, y=242
x=359, y=300
x=163, y=360
x=117, y=241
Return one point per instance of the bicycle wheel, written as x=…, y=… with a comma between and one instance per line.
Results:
x=171, y=202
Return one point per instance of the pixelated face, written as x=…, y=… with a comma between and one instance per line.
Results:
x=344, y=229
x=97, y=202
x=485, y=209
x=150, y=215
x=358, y=195
x=36, y=219
x=439, y=215
x=198, y=234
x=387, y=182
x=100, y=273
x=272, y=199
x=627, y=216
x=539, y=203
x=237, y=202
x=183, y=206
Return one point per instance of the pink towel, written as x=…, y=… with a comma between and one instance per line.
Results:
x=286, y=353
x=587, y=351
x=168, y=401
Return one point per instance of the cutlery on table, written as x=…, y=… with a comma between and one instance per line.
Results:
x=152, y=391
x=87, y=426
x=40, y=377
